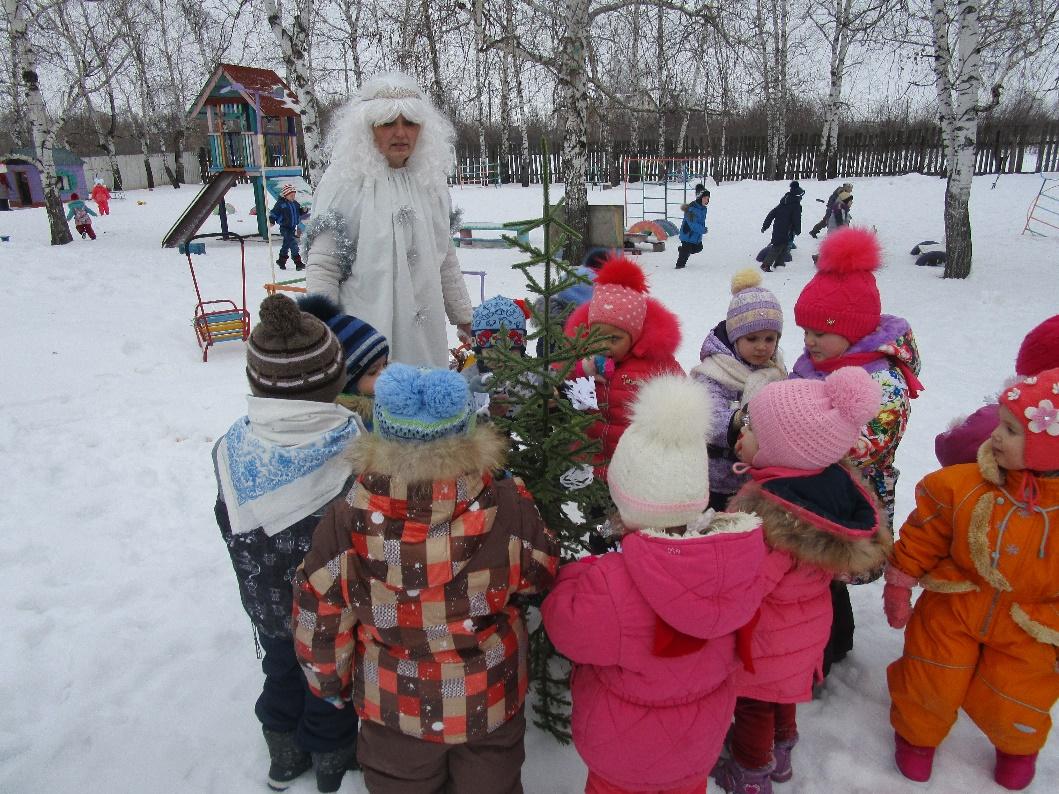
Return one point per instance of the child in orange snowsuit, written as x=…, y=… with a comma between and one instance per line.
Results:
x=984, y=636
x=101, y=196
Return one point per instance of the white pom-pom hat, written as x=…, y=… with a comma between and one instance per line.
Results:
x=659, y=475
x=810, y=424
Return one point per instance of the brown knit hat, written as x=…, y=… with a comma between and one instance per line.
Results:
x=292, y=355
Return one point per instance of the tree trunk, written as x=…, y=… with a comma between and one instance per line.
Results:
x=178, y=153
x=294, y=44
x=573, y=81
x=505, y=120
x=438, y=91
x=42, y=130
x=519, y=108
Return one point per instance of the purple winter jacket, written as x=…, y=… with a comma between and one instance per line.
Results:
x=724, y=401
x=960, y=444
x=641, y=720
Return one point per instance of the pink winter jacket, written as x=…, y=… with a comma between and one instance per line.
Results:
x=816, y=527
x=646, y=721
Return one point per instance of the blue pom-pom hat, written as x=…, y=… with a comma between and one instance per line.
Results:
x=421, y=404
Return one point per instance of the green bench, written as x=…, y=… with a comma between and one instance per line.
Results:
x=466, y=238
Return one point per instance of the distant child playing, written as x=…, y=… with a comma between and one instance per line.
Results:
x=984, y=635
x=288, y=213
x=693, y=227
x=652, y=630
x=101, y=196
x=278, y=468
x=493, y=321
x=820, y=521
x=82, y=217
x=738, y=357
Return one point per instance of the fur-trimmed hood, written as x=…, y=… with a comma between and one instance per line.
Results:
x=658, y=340
x=855, y=543
x=482, y=450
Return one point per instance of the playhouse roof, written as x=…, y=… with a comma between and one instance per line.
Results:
x=62, y=156
x=277, y=98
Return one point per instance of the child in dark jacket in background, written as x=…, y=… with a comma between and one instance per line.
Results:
x=278, y=468
x=786, y=222
x=288, y=214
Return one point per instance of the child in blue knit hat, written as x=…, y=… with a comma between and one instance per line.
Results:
x=366, y=351
x=497, y=322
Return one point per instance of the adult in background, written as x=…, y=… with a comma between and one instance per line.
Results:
x=845, y=187
x=380, y=243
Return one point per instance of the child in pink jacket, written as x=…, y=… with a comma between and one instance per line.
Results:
x=652, y=630
x=819, y=521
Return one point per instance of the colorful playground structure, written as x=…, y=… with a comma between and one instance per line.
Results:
x=1042, y=220
x=254, y=131
x=218, y=320
x=656, y=187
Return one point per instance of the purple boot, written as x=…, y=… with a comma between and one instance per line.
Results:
x=781, y=757
x=736, y=779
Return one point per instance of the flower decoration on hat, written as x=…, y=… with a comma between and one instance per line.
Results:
x=1044, y=418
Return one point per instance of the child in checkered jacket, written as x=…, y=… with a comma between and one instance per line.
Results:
x=406, y=602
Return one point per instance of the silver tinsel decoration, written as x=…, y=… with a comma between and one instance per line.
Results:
x=345, y=248
x=405, y=215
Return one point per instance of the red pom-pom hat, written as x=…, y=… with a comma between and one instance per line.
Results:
x=619, y=296
x=1040, y=349
x=843, y=298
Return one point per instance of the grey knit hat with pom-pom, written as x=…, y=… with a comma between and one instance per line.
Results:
x=292, y=355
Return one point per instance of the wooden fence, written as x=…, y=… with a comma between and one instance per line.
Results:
x=861, y=153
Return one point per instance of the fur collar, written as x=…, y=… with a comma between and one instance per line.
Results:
x=709, y=523
x=659, y=338
x=803, y=536
x=987, y=464
x=484, y=449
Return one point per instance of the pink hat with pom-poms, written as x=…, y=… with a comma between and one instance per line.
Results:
x=810, y=424
x=842, y=298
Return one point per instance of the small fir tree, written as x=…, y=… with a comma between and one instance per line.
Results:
x=548, y=433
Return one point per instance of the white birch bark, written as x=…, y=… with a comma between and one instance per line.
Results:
x=573, y=83
x=295, y=44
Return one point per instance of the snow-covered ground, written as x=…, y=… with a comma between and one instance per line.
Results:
x=127, y=661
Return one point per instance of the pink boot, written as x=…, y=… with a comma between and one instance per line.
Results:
x=1014, y=772
x=781, y=755
x=913, y=761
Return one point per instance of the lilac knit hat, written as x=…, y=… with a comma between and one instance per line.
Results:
x=753, y=308
x=810, y=424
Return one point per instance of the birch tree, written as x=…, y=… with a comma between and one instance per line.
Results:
x=841, y=23
x=295, y=45
x=1013, y=33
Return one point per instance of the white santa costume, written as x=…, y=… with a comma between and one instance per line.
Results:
x=380, y=243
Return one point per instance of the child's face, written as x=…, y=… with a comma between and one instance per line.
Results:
x=822, y=345
x=757, y=348
x=616, y=342
x=746, y=445
x=366, y=382
x=1009, y=442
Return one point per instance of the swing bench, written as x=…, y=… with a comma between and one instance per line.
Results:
x=217, y=320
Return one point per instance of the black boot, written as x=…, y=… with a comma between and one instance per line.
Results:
x=330, y=767
x=298, y=263
x=282, y=262
x=288, y=760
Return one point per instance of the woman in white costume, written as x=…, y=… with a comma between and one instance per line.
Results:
x=380, y=243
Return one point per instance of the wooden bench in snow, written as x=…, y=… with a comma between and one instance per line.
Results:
x=466, y=238
x=641, y=241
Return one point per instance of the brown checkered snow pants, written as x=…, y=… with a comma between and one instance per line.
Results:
x=395, y=763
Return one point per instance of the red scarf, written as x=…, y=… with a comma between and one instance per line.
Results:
x=860, y=359
x=777, y=472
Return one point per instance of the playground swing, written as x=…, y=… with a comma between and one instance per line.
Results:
x=217, y=320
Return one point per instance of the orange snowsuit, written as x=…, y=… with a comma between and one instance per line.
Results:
x=984, y=635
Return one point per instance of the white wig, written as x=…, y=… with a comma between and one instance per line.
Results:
x=381, y=100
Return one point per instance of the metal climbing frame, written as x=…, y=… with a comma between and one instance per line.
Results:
x=662, y=185
x=1044, y=211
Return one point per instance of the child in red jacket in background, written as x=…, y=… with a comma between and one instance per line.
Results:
x=101, y=196
x=640, y=338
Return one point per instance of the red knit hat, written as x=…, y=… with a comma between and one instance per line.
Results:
x=842, y=298
x=1035, y=405
x=1040, y=349
x=619, y=296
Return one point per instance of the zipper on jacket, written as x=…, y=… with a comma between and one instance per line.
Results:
x=989, y=613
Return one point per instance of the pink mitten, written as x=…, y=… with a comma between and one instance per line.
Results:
x=897, y=597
